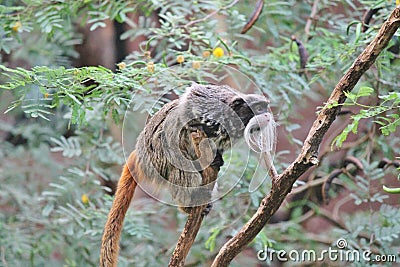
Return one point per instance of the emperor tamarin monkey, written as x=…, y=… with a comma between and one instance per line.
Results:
x=164, y=153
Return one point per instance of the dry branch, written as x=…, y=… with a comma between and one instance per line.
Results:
x=303, y=54
x=311, y=19
x=309, y=154
x=193, y=223
x=367, y=18
x=254, y=16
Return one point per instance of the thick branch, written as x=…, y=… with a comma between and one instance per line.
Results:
x=193, y=223
x=187, y=237
x=308, y=156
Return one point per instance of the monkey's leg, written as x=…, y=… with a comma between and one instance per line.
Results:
x=207, y=210
x=189, y=209
x=199, y=196
x=218, y=161
x=189, y=191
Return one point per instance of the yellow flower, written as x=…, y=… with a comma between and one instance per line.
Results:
x=180, y=59
x=150, y=66
x=196, y=64
x=17, y=26
x=121, y=65
x=46, y=95
x=218, y=52
x=85, y=199
x=147, y=54
x=206, y=53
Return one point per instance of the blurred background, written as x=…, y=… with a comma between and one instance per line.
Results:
x=68, y=73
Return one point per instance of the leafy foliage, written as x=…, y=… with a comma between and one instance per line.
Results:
x=386, y=113
x=60, y=150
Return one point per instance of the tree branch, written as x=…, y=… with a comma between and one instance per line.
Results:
x=311, y=18
x=211, y=14
x=309, y=153
x=192, y=226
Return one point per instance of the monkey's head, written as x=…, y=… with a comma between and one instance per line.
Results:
x=248, y=106
x=256, y=116
x=228, y=112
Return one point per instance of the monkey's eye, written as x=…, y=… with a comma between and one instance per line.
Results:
x=260, y=108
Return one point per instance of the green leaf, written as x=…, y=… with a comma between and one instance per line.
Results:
x=69, y=147
x=391, y=190
x=332, y=105
x=97, y=25
x=210, y=243
x=365, y=91
x=115, y=116
x=351, y=96
x=338, y=140
x=351, y=24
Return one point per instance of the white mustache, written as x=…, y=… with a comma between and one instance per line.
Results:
x=260, y=133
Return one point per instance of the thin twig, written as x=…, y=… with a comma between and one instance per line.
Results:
x=309, y=185
x=310, y=19
x=211, y=14
x=3, y=256
x=308, y=156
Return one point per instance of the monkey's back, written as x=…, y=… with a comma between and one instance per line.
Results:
x=160, y=152
x=149, y=146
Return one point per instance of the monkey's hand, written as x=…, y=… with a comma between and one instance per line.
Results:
x=218, y=161
x=207, y=210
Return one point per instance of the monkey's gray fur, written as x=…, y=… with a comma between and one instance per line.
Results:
x=164, y=149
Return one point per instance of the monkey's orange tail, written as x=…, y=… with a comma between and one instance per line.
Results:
x=123, y=196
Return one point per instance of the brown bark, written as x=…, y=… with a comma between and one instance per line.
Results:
x=254, y=16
